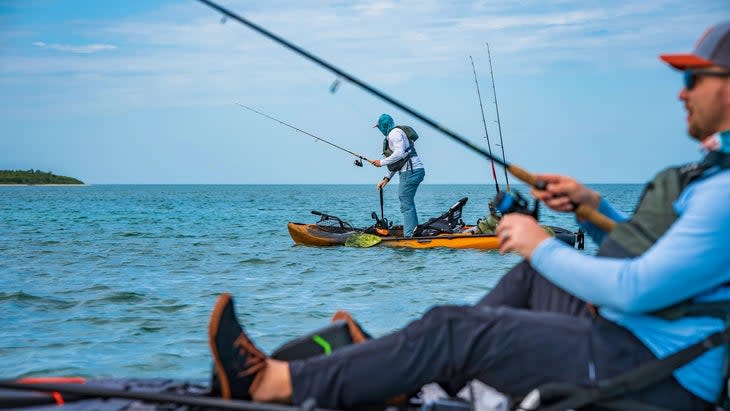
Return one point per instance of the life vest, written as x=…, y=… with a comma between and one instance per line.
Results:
x=653, y=217
x=410, y=150
x=655, y=213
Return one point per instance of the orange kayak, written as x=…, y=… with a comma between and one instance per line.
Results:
x=447, y=230
x=316, y=235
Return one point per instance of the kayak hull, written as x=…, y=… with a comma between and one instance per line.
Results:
x=315, y=235
x=312, y=234
x=461, y=241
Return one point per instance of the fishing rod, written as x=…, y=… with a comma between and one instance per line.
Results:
x=359, y=157
x=581, y=210
x=494, y=91
x=484, y=121
x=200, y=401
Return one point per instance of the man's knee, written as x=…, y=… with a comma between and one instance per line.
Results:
x=513, y=289
x=441, y=314
x=523, y=271
x=521, y=276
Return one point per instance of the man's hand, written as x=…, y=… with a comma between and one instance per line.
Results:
x=382, y=182
x=520, y=233
x=376, y=163
x=564, y=193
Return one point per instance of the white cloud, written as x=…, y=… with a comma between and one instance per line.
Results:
x=376, y=8
x=82, y=49
x=184, y=54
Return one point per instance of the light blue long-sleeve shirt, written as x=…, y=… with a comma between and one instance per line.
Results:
x=691, y=259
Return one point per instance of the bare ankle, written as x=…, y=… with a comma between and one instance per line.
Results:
x=275, y=383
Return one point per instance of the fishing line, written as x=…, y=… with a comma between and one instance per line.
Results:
x=359, y=157
x=484, y=121
x=499, y=124
x=582, y=211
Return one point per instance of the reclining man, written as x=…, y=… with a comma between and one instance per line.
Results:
x=537, y=326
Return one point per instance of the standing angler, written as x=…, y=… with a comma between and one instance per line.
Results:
x=400, y=156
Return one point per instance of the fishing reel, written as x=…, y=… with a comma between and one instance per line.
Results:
x=513, y=202
x=358, y=162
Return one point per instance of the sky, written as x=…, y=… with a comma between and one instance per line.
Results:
x=145, y=91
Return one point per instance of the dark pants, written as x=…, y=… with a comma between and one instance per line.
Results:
x=524, y=333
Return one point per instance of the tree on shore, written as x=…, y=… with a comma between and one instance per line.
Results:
x=34, y=177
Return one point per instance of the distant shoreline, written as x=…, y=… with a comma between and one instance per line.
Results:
x=43, y=185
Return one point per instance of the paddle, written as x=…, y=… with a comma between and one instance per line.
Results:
x=363, y=240
x=381, y=224
x=381, y=205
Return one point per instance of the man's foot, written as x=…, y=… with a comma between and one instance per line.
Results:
x=237, y=362
x=356, y=333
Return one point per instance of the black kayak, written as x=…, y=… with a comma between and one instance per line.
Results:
x=105, y=394
x=126, y=394
x=131, y=394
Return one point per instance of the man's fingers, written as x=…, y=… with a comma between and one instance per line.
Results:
x=561, y=203
x=541, y=195
x=503, y=234
x=505, y=245
x=549, y=178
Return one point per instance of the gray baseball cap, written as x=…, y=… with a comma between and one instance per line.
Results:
x=713, y=48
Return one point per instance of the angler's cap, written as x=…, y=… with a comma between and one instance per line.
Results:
x=713, y=48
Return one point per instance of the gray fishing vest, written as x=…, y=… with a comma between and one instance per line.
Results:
x=653, y=217
x=655, y=213
x=410, y=151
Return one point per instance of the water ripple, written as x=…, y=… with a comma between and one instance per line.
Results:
x=118, y=281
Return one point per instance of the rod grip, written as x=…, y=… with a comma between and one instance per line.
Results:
x=582, y=211
x=599, y=220
x=522, y=174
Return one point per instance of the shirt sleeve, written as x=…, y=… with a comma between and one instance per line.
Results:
x=690, y=258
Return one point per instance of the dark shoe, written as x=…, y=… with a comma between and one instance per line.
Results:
x=237, y=362
x=356, y=333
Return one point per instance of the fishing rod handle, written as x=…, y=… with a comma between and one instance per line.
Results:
x=526, y=176
x=582, y=211
x=596, y=218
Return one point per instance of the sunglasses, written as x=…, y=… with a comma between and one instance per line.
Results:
x=691, y=76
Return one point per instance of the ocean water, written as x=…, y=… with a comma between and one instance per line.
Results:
x=119, y=280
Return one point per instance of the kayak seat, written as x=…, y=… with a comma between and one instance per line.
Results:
x=446, y=223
